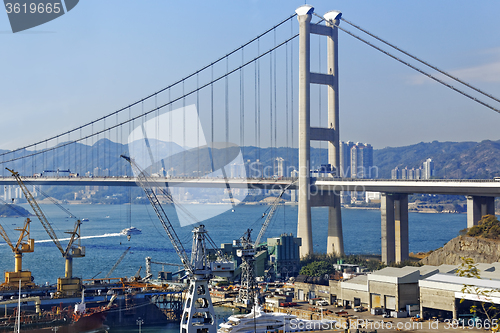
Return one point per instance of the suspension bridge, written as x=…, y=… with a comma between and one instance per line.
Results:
x=238, y=122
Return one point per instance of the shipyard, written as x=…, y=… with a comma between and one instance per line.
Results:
x=249, y=167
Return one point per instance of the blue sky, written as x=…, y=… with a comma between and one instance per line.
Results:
x=105, y=54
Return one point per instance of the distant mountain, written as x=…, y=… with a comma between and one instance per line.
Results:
x=10, y=210
x=455, y=160
x=466, y=160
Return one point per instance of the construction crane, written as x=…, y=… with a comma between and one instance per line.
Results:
x=117, y=263
x=24, y=244
x=69, y=285
x=248, y=291
x=198, y=314
x=270, y=215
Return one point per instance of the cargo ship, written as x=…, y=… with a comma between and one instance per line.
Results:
x=110, y=302
x=71, y=319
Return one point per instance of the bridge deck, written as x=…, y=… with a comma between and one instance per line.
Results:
x=484, y=187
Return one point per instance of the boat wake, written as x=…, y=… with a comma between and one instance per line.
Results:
x=114, y=234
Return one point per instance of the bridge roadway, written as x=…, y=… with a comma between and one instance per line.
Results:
x=393, y=202
x=476, y=187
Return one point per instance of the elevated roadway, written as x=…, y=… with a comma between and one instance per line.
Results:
x=481, y=187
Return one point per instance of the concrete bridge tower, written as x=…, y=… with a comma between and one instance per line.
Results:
x=329, y=133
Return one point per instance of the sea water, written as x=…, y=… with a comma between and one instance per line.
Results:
x=104, y=243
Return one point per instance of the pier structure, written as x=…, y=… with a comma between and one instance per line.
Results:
x=329, y=133
x=394, y=222
x=477, y=207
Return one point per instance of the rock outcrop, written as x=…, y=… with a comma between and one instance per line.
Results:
x=481, y=250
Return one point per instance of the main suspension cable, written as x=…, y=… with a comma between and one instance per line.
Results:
x=157, y=92
x=416, y=68
x=422, y=61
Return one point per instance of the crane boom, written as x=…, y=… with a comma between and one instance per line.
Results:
x=68, y=285
x=117, y=263
x=144, y=182
x=75, y=234
x=38, y=211
x=6, y=238
x=270, y=216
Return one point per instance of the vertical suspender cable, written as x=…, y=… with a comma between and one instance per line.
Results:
x=81, y=158
x=242, y=104
x=255, y=111
x=286, y=108
x=170, y=129
x=129, y=130
x=117, y=145
x=320, y=86
x=226, y=103
x=157, y=133
x=212, y=109
x=275, y=100
x=55, y=157
x=92, y=151
x=184, y=130
x=104, y=149
x=198, y=107
x=291, y=89
x=33, y=161
x=258, y=106
x=271, y=144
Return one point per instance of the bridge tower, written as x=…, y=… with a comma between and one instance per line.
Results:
x=329, y=133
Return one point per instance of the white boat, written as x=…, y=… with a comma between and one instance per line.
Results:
x=263, y=322
x=131, y=231
x=85, y=219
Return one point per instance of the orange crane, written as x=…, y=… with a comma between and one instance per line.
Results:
x=68, y=285
x=24, y=244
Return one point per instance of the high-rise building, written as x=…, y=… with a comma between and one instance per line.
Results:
x=356, y=161
x=418, y=173
x=395, y=173
x=404, y=173
x=361, y=160
x=279, y=167
x=345, y=159
x=428, y=169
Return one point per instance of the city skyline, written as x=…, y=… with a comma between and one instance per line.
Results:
x=85, y=65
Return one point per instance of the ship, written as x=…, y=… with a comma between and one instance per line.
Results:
x=62, y=321
x=125, y=301
x=258, y=321
x=71, y=319
x=131, y=231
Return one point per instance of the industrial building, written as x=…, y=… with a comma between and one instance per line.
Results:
x=442, y=293
x=278, y=258
x=284, y=255
x=433, y=291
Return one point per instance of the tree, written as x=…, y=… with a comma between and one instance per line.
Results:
x=317, y=268
x=469, y=269
x=488, y=227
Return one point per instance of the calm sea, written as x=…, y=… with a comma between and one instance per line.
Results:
x=104, y=244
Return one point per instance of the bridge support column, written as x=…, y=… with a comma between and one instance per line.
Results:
x=304, y=15
x=329, y=133
x=477, y=207
x=335, y=241
x=394, y=227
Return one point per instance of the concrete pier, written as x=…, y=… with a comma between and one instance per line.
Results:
x=477, y=207
x=304, y=15
x=329, y=133
x=335, y=241
x=394, y=227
